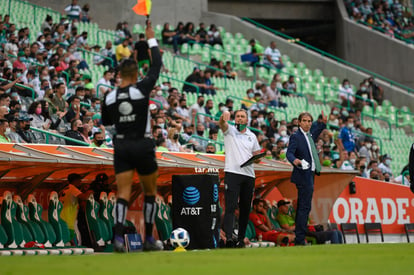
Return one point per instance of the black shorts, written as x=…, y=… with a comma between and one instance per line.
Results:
x=136, y=154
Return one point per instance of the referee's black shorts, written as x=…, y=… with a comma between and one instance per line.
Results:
x=136, y=154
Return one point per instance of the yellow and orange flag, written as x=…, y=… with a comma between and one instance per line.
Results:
x=143, y=7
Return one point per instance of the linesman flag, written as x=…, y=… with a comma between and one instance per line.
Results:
x=143, y=7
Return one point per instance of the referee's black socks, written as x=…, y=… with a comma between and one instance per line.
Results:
x=149, y=215
x=121, y=208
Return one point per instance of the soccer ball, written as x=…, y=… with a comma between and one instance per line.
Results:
x=180, y=238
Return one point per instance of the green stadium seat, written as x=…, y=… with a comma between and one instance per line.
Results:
x=31, y=230
x=8, y=221
x=60, y=227
x=97, y=228
x=3, y=237
x=163, y=220
x=35, y=215
x=103, y=211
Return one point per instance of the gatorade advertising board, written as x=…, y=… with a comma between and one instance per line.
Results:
x=196, y=208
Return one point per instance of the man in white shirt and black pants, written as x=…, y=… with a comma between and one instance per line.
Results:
x=240, y=145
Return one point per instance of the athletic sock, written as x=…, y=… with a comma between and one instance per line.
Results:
x=149, y=215
x=121, y=209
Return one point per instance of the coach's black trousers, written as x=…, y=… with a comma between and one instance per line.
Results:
x=237, y=186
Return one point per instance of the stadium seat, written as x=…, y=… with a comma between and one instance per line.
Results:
x=98, y=231
x=3, y=237
x=409, y=229
x=60, y=227
x=9, y=222
x=163, y=220
x=349, y=228
x=103, y=211
x=31, y=231
x=375, y=228
x=35, y=215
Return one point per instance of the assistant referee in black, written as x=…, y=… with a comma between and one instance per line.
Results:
x=127, y=108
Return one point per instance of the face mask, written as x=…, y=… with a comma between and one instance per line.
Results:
x=159, y=136
x=387, y=179
x=50, y=96
x=99, y=142
x=67, y=60
x=346, y=86
x=18, y=74
x=374, y=147
x=175, y=136
x=200, y=133
x=366, y=83
x=98, y=106
x=38, y=111
x=350, y=125
x=362, y=167
x=260, y=119
x=375, y=178
x=189, y=133
x=368, y=145
x=283, y=133
x=352, y=161
x=80, y=129
x=345, y=113
x=335, y=112
x=7, y=131
x=201, y=103
x=46, y=78
x=175, y=105
x=159, y=93
x=89, y=133
x=27, y=127
x=251, y=95
x=240, y=127
x=81, y=97
x=209, y=152
x=161, y=125
x=387, y=162
x=363, y=88
x=42, y=41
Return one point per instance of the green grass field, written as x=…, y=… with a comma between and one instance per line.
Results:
x=322, y=259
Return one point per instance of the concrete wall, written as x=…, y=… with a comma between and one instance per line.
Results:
x=107, y=12
x=312, y=59
x=373, y=50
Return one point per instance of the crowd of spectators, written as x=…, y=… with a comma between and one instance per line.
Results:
x=65, y=101
x=392, y=16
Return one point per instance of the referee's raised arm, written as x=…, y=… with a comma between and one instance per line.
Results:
x=152, y=76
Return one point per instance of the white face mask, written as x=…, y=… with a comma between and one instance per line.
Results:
x=159, y=93
x=283, y=133
x=368, y=145
x=7, y=131
x=387, y=162
x=352, y=161
x=374, y=147
x=350, y=125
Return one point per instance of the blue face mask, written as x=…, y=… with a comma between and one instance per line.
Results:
x=98, y=106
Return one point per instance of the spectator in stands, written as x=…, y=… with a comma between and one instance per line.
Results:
x=214, y=36
x=47, y=24
x=403, y=179
x=197, y=108
x=73, y=10
x=161, y=145
x=347, y=136
x=85, y=17
x=142, y=52
x=273, y=57
x=23, y=129
x=256, y=50
x=189, y=33
x=4, y=125
x=385, y=164
x=122, y=51
x=291, y=85
x=273, y=96
x=58, y=100
x=105, y=81
x=376, y=90
x=38, y=121
x=173, y=143
x=98, y=140
x=264, y=228
x=12, y=134
x=201, y=34
x=348, y=160
x=346, y=93
x=75, y=110
x=86, y=132
x=196, y=80
x=375, y=151
x=248, y=100
x=182, y=109
x=208, y=87
x=364, y=96
x=211, y=148
x=108, y=52
x=75, y=132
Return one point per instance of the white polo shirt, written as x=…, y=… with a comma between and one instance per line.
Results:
x=239, y=147
x=274, y=55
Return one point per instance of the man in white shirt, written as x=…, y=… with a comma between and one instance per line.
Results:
x=385, y=164
x=105, y=80
x=346, y=93
x=73, y=10
x=198, y=108
x=273, y=57
x=240, y=145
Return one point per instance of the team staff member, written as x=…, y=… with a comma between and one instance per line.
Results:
x=240, y=144
x=304, y=157
x=127, y=108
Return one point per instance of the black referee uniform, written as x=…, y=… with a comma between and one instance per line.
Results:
x=127, y=109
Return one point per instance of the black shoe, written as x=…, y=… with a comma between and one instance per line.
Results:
x=240, y=244
x=230, y=243
x=119, y=245
x=285, y=241
x=151, y=245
